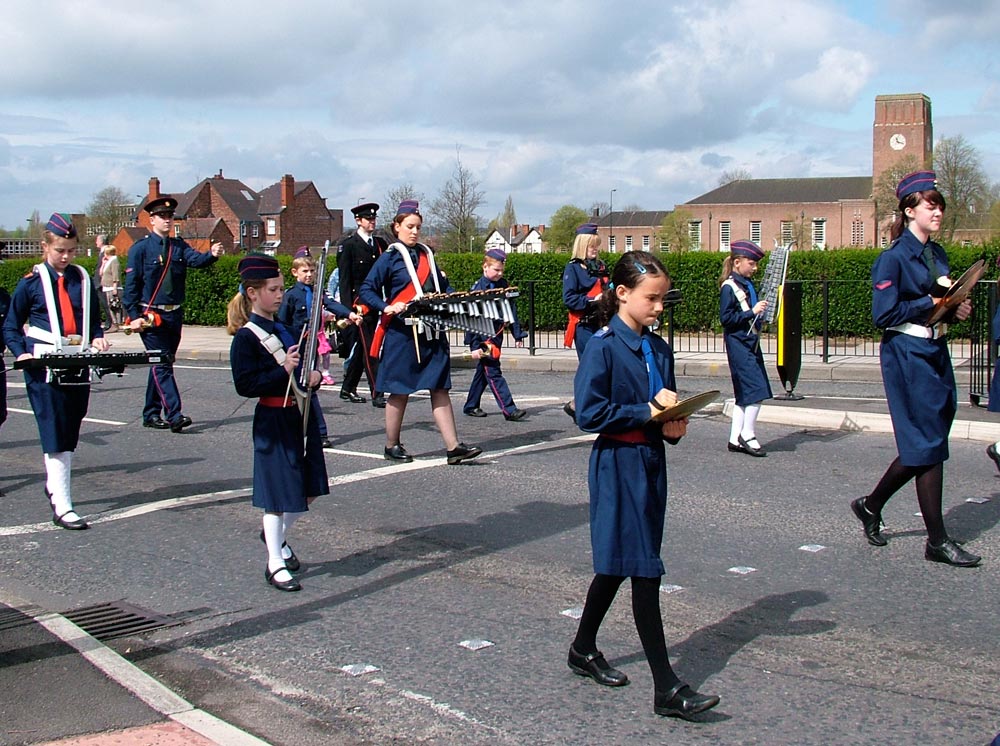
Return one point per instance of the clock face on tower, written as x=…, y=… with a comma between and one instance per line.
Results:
x=897, y=141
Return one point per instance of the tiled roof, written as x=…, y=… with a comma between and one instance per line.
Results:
x=270, y=197
x=240, y=198
x=783, y=191
x=639, y=218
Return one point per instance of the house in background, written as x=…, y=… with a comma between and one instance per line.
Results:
x=521, y=239
x=277, y=220
x=630, y=230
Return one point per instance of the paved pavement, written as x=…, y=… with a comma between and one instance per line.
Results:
x=62, y=686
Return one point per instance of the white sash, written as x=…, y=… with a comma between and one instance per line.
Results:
x=412, y=272
x=53, y=337
x=741, y=295
x=270, y=342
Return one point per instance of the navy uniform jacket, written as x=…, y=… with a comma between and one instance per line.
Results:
x=917, y=373
x=145, y=268
x=746, y=361
x=473, y=339
x=994, y=403
x=355, y=260
x=4, y=306
x=283, y=476
x=628, y=481
x=294, y=311
x=399, y=371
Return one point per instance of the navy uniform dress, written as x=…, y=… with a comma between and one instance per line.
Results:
x=283, y=476
x=917, y=372
x=578, y=280
x=488, y=371
x=4, y=306
x=147, y=286
x=59, y=409
x=355, y=259
x=628, y=480
x=746, y=362
x=399, y=372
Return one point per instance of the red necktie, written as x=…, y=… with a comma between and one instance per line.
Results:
x=66, y=309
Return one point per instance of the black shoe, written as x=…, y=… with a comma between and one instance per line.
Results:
x=517, y=414
x=180, y=423
x=991, y=451
x=353, y=397
x=950, y=553
x=736, y=448
x=398, y=453
x=462, y=452
x=73, y=525
x=569, y=409
x=326, y=442
x=747, y=448
x=291, y=563
x=477, y=412
x=281, y=585
x=596, y=667
x=871, y=523
x=378, y=401
x=682, y=701
x=156, y=423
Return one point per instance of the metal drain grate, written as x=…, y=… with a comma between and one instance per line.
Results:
x=118, y=619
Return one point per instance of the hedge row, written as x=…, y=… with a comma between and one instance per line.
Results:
x=846, y=273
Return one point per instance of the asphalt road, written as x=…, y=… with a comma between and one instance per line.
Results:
x=838, y=643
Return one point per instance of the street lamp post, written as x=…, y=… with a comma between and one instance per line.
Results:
x=611, y=223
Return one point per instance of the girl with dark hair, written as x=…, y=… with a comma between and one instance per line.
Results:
x=411, y=359
x=739, y=309
x=916, y=367
x=625, y=377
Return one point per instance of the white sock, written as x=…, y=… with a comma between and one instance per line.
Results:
x=57, y=480
x=274, y=537
x=750, y=422
x=288, y=519
x=737, y=427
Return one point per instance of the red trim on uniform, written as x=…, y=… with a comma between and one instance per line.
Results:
x=405, y=295
x=883, y=285
x=629, y=436
x=576, y=316
x=277, y=401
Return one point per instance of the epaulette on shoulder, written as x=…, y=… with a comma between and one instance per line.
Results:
x=604, y=331
x=32, y=271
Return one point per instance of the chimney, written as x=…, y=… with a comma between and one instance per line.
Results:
x=541, y=230
x=219, y=175
x=287, y=190
x=154, y=189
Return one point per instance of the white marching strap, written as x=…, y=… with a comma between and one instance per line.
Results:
x=412, y=272
x=270, y=342
x=740, y=293
x=53, y=336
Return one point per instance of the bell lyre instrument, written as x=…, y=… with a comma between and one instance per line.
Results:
x=76, y=368
x=475, y=311
x=772, y=282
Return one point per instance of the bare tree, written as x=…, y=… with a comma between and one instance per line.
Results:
x=392, y=199
x=455, y=208
x=109, y=210
x=962, y=182
x=734, y=174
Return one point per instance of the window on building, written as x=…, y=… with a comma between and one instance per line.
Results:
x=857, y=232
x=755, y=231
x=724, y=233
x=628, y=243
x=243, y=230
x=645, y=243
x=694, y=231
x=177, y=231
x=819, y=233
x=611, y=244
x=256, y=230
x=787, y=232
x=664, y=246
x=272, y=227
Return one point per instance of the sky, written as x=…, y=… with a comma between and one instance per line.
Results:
x=550, y=103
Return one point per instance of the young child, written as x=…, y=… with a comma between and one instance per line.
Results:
x=58, y=303
x=486, y=350
x=295, y=310
x=738, y=307
x=626, y=376
x=4, y=306
x=264, y=354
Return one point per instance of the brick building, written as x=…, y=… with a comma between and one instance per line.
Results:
x=294, y=214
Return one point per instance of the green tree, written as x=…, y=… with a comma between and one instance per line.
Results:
x=674, y=232
x=109, y=210
x=562, y=227
x=962, y=182
x=455, y=209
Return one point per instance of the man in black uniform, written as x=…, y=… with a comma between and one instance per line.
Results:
x=355, y=258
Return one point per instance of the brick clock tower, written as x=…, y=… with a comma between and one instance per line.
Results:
x=902, y=128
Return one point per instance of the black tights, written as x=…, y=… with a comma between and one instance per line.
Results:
x=648, y=623
x=929, y=481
